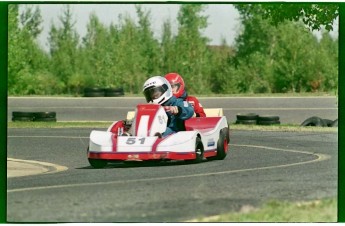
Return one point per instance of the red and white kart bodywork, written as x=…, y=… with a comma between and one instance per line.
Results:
x=203, y=137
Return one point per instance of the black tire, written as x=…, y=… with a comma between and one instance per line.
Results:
x=247, y=116
x=267, y=118
x=268, y=122
x=51, y=114
x=222, y=145
x=19, y=114
x=93, y=90
x=199, y=151
x=94, y=94
x=314, y=121
x=22, y=119
x=334, y=123
x=96, y=163
x=44, y=119
x=115, y=90
x=227, y=134
x=114, y=94
x=246, y=122
x=328, y=122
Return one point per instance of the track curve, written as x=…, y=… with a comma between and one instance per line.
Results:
x=260, y=166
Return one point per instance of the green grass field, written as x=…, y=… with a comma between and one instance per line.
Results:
x=106, y=124
x=324, y=210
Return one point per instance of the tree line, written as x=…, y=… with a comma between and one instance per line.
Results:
x=266, y=57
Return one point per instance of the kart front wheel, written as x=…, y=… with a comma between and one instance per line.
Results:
x=199, y=152
x=97, y=163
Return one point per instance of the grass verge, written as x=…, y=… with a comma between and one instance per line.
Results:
x=102, y=124
x=106, y=124
x=324, y=210
x=283, y=128
x=306, y=94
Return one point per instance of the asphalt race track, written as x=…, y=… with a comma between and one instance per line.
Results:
x=260, y=166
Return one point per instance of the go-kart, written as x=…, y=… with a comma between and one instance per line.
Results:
x=141, y=140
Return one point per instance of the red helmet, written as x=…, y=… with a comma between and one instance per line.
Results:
x=177, y=83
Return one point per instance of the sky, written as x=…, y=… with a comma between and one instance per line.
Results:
x=223, y=19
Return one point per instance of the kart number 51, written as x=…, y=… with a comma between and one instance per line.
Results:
x=133, y=140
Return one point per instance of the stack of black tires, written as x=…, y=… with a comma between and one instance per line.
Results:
x=103, y=92
x=255, y=119
x=21, y=116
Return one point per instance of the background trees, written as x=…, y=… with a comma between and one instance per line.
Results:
x=284, y=56
x=97, y=56
x=274, y=52
x=64, y=42
x=191, y=48
x=28, y=71
x=315, y=16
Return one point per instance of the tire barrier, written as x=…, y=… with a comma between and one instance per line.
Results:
x=246, y=122
x=334, y=123
x=103, y=92
x=268, y=120
x=328, y=122
x=255, y=119
x=45, y=116
x=114, y=92
x=93, y=92
x=22, y=116
x=320, y=122
x=247, y=119
x=33, y=116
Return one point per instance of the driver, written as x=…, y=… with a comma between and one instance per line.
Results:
x=178, y=88
x=158, y=90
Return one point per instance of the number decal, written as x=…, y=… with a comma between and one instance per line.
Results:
x=142, y=140
x=132, y=140
x=161, y=119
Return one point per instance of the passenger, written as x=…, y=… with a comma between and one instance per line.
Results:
x=158, y=90
x=178, y=88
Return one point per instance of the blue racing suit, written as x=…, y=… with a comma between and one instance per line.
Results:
x=176, y=122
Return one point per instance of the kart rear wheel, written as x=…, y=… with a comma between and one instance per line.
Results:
x=97, y=163
x=222, y=145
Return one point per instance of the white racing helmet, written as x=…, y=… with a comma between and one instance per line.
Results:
x=157, y=90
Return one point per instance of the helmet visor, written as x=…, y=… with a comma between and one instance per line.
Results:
x=152, y=93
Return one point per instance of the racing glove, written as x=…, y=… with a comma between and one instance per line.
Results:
x=172, y=109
